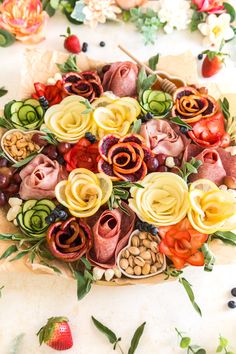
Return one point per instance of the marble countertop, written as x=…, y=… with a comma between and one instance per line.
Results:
x=28, y=300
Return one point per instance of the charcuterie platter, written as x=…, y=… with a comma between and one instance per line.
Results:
x=106, y=177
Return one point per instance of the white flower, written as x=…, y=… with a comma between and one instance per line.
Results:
x=216, y=29
x=99, y=11
x=174, y=14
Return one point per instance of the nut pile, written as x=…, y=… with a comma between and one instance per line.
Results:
x=142, y=257
x=19, y=145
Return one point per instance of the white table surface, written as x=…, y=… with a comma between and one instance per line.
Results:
x=28, y=300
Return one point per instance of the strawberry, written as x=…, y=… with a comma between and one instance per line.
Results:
x=56, y=334
x=71, y=42
x=212, y=63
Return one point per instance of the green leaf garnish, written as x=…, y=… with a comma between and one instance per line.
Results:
x=105, y=330
x=224, y=104
x=153, y=61
x=70, y=65
x=11, y=249
x=208, y=257
x=225, y=236
x=6, y=38
x=84, y=284
x=179, y=121
x=188, y=287
x=3, y=91
x=136, y=338
x=144, y=82
x=25, y=161
x=86, y=263
x=230, y=10
x=136, y=126
x=197, y=18
x=189, y=167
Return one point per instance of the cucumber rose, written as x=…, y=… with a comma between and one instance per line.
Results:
x=26, y=115
x=156, y=102
x=32, y=218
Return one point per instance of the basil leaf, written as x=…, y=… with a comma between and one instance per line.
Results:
x=209, y=258
x=153, y=61
x=141, y=77
x=225, y=236
x=25, y=161
x=105, y=330
x=148, y=82
x=136, y=126
x=188, y=288
x=136, y=338
x=179, y=121
x=83, y=285
x=86, y=263
x=11, y=249
x=230, y=10
x=55, y=269
x=3, y=91
x=184, y=343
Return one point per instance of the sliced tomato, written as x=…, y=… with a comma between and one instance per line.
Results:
x=179, y=263
x=196, y=259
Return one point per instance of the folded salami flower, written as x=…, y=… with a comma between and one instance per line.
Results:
x=86, y=84
x=111, y=231
x=161, y=138
x=121, y=79
x=69, y=240
x=191, y=105
x=123, y=158
x=211, y=168
x=40, y=177
x=210, y=132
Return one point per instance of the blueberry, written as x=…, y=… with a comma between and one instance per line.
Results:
x=102, y=44
x=233, y=291
x=154, y=230
x=62, y=215
x=232, y=304
x=84, y=47
x=60, y=160
x=50, y=219
x=200, y=56
x=147, y=117
x=43, y=103
x=59, y=207
x=90, y=137
x=184, y=130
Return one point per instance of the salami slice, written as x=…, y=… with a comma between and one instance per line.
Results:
x=111, y=231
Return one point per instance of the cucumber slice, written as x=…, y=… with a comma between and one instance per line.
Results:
x=27, y=216
x=7, y=109
x=31, y=117
x=22, y=113
x=157, y=107
x=31, y=102
x=42, y=207
x=146, y=94
x=33, y=126
x=47, y=202
x=168, y=105
x=29, y=205
x=15, y=120
x=36, y=222
x=40, y=111
x=16, y=106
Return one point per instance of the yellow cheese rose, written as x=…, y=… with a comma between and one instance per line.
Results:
x=211, y=209
x=163, y=200
x=84, y=192
x=115, y=117
x=69, y=120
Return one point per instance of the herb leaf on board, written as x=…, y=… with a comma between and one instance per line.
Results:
x=105, y=330
x=188, y=288
x=136, y=338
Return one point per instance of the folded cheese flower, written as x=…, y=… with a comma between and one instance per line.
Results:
x=84, y=192
x=123, y=158
x=69, y=120
x=69, y=240
x=211, y=209
x=116, y=117
x=181, y=243
x=121, y=79
x=163, y=200
x=23, y=18
x=40, y=177
x=191, y=105
x=86, y=84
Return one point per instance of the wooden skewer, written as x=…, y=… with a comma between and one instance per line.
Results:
x=166, y=85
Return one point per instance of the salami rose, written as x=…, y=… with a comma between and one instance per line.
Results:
x=121, y=79
x=40, y=177
x=111, y=231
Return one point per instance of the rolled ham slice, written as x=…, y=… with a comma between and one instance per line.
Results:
x=40, y=177
x=211, y=168
x=163, y=138
x=111, y=231
x=121, y=79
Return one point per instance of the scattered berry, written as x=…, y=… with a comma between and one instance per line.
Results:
x=85, y=47
x=183, y=130
x=90, y=137
x=102, y=44
x=56, y=334
x=62, y=215
x=147, y=117
x=71, y=43
x=50, y=219
x=212, y=63
x=144, y=226
x=43, y=103
x=232, y=304
x=200, y=56
x=233, y=291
